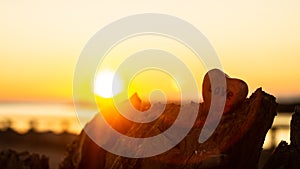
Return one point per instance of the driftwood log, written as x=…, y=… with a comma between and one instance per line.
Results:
x=235, y=144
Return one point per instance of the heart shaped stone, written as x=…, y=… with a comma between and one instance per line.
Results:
x=235, y=90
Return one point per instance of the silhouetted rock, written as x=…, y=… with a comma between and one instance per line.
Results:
x=235, y=144
x=288, y=156
x=10, y=159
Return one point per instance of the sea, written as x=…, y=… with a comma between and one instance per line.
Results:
x=62, y=117
x=42, y=117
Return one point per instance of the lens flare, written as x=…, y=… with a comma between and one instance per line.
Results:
x=103, y=84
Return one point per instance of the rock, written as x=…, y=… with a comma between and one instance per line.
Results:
x=287, y=156
x=236, y=143
x=235, y=92
x=10, y=159
x=295, y=129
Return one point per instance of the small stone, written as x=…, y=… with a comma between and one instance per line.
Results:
x=235, y=92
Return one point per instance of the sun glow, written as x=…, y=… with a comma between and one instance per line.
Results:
x=107, y=84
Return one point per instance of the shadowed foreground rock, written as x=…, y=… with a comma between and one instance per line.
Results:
x=288, y=156
x=235, y=144
x=10, y=159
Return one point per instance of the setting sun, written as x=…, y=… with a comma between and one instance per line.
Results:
x=93, y=84
x=104, y=84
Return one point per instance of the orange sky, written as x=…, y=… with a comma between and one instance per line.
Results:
x=41, y=41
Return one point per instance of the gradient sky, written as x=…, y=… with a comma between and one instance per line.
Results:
x=257, y=41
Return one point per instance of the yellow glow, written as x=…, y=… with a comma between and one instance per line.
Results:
x=39, y=48
x=153, y=79
x=104, y=84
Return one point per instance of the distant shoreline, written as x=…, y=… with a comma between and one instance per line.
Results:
x=287, y=108
x=11, y=136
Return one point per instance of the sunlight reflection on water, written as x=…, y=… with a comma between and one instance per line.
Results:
x=60, y=118
x=280, y=129
x=42, y=117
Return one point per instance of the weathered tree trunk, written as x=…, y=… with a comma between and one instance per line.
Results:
x=235, y=144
